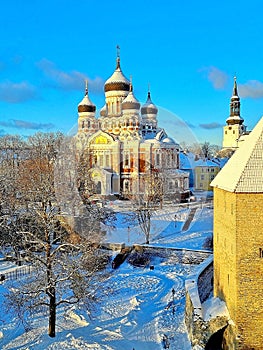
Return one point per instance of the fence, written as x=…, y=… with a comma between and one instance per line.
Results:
x=15, y=272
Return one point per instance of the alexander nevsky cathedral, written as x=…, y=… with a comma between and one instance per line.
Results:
x=124, y=144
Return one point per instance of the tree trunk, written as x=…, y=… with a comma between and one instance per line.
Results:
x=52, y=314
x=51, y=290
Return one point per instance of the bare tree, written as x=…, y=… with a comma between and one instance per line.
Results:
x=12, y=152
x=64, y=261
x=63, y=273
x=202, y=150
x=149, y=197
x=206, y=150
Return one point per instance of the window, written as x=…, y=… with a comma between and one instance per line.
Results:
x=107, y=160
x=157, y=159
x=83, y=125
x=260, y=252
x=126, y=160
x=168, y=159
x=202, y=177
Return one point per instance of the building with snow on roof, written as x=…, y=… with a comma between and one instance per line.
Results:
x=205, y=171
x=238, y=244
x=125, y=143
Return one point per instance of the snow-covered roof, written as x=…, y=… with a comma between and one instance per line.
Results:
x=187, y=160
x=168, y=140
x=149, y=107
x=234, y=119
x=205, y=163
x=118, y=78
x=86, y=101
x=130, y=101
x=244, y=170
x=103, y=111
x=151, y=139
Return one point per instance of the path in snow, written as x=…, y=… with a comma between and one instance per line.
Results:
x=132, y=309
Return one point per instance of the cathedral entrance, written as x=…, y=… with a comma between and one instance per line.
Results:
x=98, y=187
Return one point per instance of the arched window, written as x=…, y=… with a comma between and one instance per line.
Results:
x=126, y=160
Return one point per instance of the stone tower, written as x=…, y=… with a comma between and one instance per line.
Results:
x=238, y=241
x=234, y=128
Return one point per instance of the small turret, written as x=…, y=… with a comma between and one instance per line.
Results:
x=149, y=116
x=86, y=111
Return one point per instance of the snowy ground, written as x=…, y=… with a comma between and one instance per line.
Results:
x=135, y=308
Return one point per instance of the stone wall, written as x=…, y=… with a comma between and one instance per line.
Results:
x=198, y=289
x=205, y=282
x=180, y=255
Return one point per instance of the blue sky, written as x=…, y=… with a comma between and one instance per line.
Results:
x=187, y=51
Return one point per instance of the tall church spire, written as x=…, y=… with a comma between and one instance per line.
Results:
x=235, y=93
x=86, y=87
x=118, y=60
x=234, y=117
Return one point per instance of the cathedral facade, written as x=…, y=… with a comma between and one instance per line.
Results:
x=124, y=144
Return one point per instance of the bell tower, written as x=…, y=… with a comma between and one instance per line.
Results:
x=234, y=128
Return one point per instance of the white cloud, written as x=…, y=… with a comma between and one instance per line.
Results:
x=72, y=80
x=252, y=89
x=217, y=77
x=23, y=124
x=209, y=126
x=17, y=92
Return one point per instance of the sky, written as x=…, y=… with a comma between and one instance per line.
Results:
x=188, y=51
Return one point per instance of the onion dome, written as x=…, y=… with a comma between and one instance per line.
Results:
x=130, y=102
x=86, y=105
x=103, y=111
x=149, y=107
x=117, y=82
